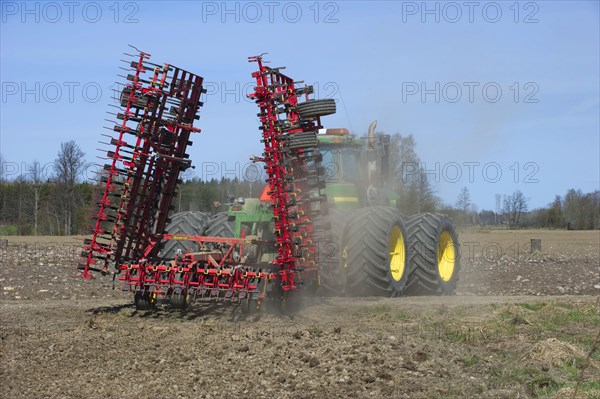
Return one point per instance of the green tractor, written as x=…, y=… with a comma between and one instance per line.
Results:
x=370, y=249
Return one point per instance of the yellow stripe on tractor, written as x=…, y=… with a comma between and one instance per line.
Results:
x=345, y=199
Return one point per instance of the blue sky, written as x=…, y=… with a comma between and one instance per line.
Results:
x=502, y=87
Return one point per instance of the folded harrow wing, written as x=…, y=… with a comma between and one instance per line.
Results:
x=157, y=108
x=151, y=130
x=295, y=176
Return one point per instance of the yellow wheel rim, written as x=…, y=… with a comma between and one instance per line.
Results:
x=397, y=254
x=446, y=256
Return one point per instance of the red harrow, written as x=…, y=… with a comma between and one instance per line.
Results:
x=140, y=182
x=293, y=164
x=157, y=108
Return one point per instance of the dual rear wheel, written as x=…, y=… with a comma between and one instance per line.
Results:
x=381, y=255
x=375, y=245
x=434, y=256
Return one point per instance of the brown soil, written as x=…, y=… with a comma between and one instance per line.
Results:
x=509, y=332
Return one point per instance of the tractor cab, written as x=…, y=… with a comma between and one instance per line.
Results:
x=342, y=168
x=356, y=169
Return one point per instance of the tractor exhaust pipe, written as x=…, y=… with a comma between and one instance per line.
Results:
x=372, y=155
x=371, y=135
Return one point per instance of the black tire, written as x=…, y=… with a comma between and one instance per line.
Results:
x=219, y=226
x=369, y=267
x=332, y=257
x=143, y=300
x=191, y=223
x=316, y=108
x=304, y=140
x=428, y=235
x=179, y=300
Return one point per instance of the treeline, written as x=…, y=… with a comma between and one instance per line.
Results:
x=46, y=200
x=45, y=208
x=50, y=208
x=28, y=208
x=59, y=199
x=573, y=211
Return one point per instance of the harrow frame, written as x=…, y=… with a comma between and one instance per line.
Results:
x=139, y=183
x=289, y=188
x=210, y=273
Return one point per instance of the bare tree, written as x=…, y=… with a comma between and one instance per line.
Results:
x=20, y=187
x=572, y=208
x=555, y=212
x=411, y=182
x=69, y=162
x=428, y=200
x=463, y=202
x=2, y=181
x=514, y=206
x=68, y=166
x=37, y=181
